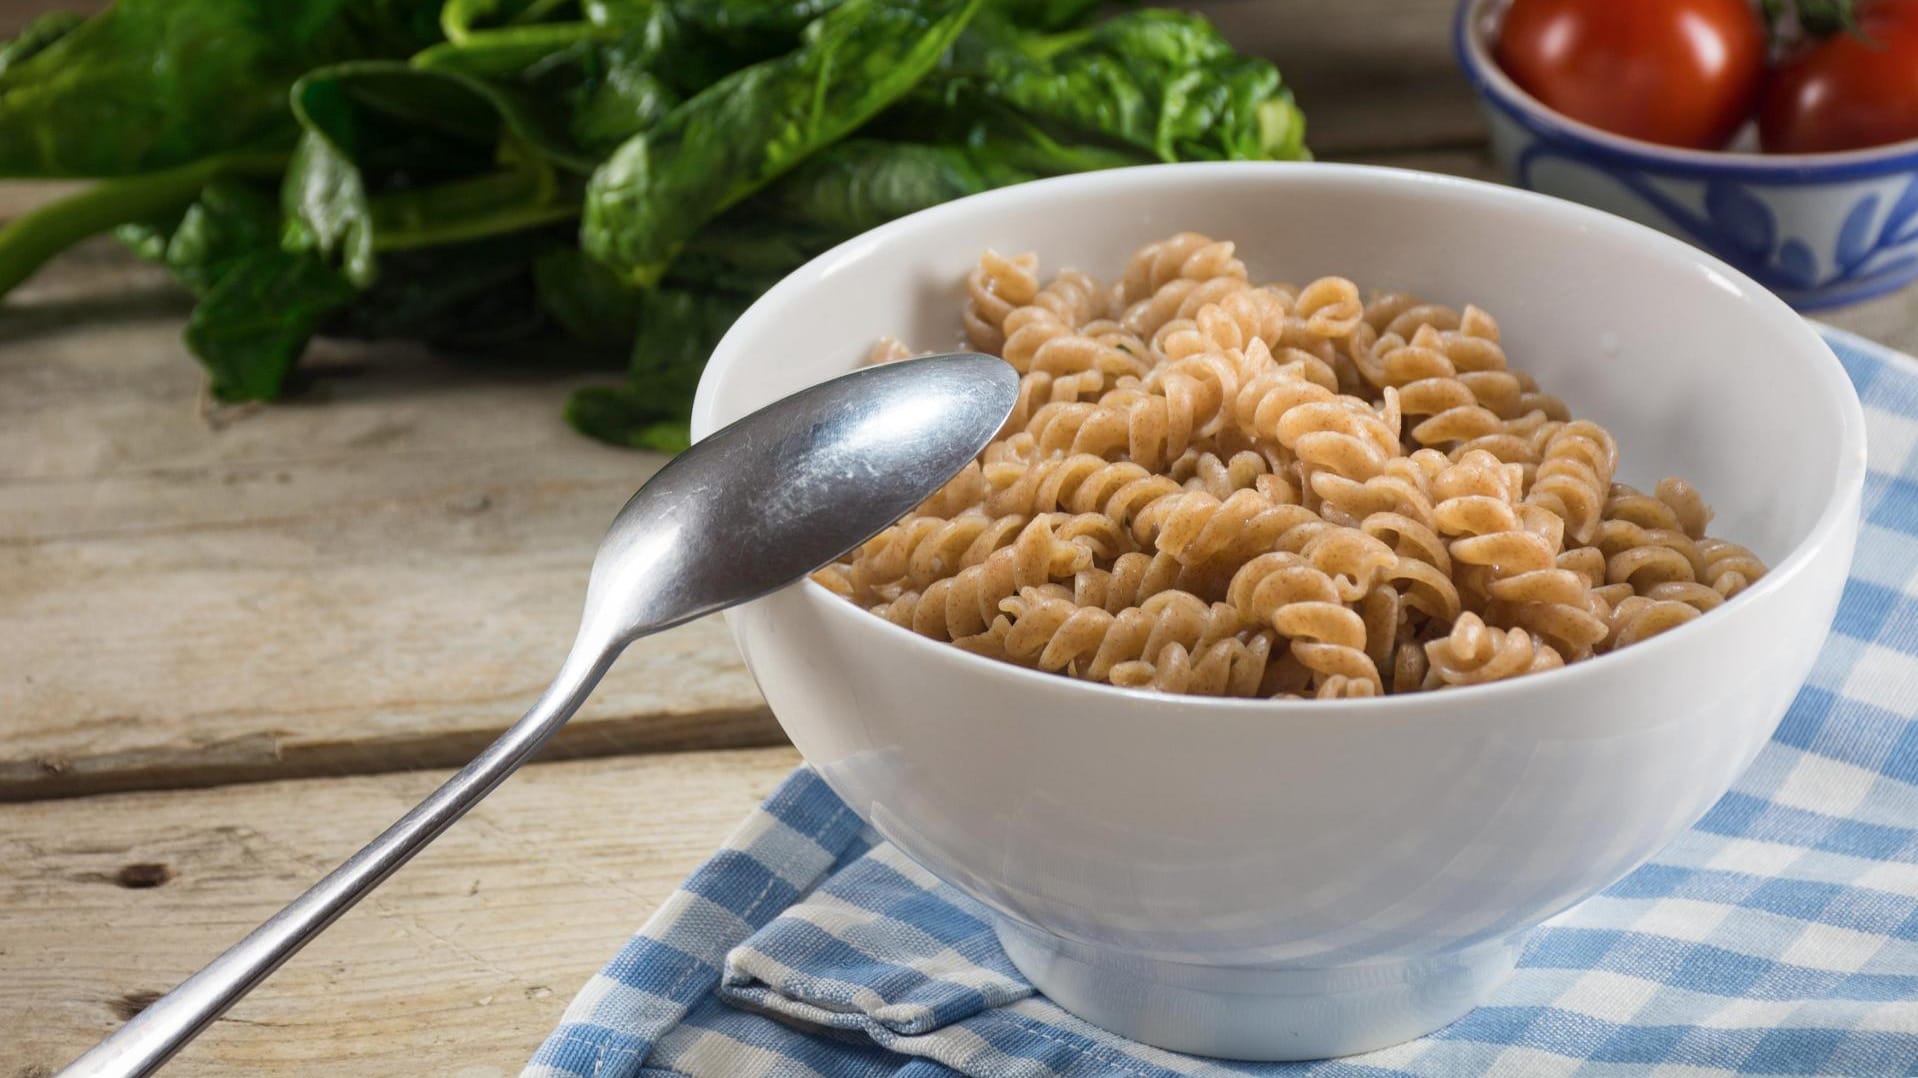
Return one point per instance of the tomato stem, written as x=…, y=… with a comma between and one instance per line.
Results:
x=1824, y=18
x=1816, y=18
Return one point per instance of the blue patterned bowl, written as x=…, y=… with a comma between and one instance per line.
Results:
x=1819, y=229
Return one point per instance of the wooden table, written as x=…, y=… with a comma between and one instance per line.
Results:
x=234, y=643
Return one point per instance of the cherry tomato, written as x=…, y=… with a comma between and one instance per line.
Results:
x=1677, y=72
x=1849, y=90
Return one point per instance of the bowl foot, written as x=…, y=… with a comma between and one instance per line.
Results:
x=1258, y=1013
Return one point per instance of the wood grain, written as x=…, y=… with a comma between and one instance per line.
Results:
x=1371, y=75
x=15, y=14
x=377, y=574
x=459, y=965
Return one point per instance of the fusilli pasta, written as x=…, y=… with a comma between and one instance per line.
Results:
x=1220, y=487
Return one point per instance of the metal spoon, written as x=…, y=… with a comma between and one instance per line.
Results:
x=754, y=507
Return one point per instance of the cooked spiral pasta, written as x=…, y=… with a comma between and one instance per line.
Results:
x=1556, y=605
x=1474, y=653
x=1574, y=476
x=1329, y=307
x=1223, y=475
x=1080, y=483
x=1639, y=617
x=993, y=290
x=1053, y=632
x=1674, y=507
x=1645, y=557
x=920, y=550
x=1187, y=256
x=1478, y=509
x=1303, y=604
x=966, y=603
x=887, y=350
x=1727, y=567
x=1219, y=487
x=1231, y=323
x=1066, y=302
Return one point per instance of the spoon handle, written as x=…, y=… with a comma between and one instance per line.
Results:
x=163, y=1028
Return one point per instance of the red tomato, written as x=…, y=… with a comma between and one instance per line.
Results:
x=1847, y=91
x=1678, y=72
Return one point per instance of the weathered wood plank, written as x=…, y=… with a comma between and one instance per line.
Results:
x=1372, y=75
x=15, y=14
x=377, y=574
x=458, y=965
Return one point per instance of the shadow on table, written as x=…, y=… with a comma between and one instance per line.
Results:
x=34, y=320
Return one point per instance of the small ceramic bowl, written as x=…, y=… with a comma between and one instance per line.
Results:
x=1820, y=230
x=1287, y=880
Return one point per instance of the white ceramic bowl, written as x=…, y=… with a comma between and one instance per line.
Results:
x=1821, y=230
x=1281, y=880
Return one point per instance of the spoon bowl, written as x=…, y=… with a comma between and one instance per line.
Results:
x=768, y=499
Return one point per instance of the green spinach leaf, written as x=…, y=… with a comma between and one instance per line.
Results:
x=37, y=35
x=29, y=240
x=862, y=183
x=1047, y=14
x=835, y=195
x=677, y=331
x=462, y=19
x=472, y=294
x=229, y=221
x=252, y=325
x=394, y=157
x=506, y=51
x=586, y=299
x=572, y=91
x=744, y=131
x=1161, y=82
x=745, y=255
x=629, y=418
x=154, y=84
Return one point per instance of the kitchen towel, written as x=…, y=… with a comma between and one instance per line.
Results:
x=1779, y=936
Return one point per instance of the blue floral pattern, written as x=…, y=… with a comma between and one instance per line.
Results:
x=1874, y=251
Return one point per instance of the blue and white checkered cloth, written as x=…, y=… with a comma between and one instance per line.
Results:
x=1778, y=936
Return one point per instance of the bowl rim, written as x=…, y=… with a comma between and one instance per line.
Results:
x=1841, y=503
x=1474, y=58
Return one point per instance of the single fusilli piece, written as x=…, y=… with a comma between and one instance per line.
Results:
x=1639, y=617
x=1302, y=604
x=1069, y=301
x=1474, y=653
x=1727, y=567
x=1078, y=483
x=1186, y=256
x=1674, y=507
x=1574, y=477
x=966, y=603
x=1644, y=557
x=1052, y=632
x=993, y=290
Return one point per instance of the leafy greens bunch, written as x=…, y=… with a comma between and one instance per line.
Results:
x=631, y=173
